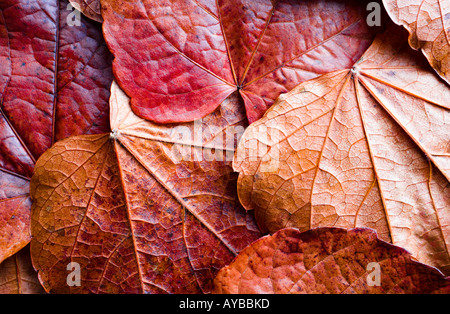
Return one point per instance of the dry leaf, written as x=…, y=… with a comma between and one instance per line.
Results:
x=327, y=260
x=17, y=275
x=178, y=60
x=15, y=205
x=54, y=82
x=367, y=147
x=428, y=23
x=90, y=8
x=149, y=208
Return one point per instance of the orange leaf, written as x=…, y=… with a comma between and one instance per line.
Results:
x=15, y=205
x=143, y=209
x=428, y=24
x=367, y=147
x=327, y=260
x=17, y=275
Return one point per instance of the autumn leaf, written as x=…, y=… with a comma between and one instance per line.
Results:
x=90, y=8
x=145, y=209
x=178, y=60
x=327, y=260
x=428, y=24
x=15, y=207
x=366, y=147
x=17, y=275
x=54, y=82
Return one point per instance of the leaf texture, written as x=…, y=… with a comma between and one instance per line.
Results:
x=367, y=147
x=15, y=206
x=90, y=8
x=178, y=60
x=428, y=23
x=327, y=260
x=55, y=81
x=143, y=209
x=17, y=275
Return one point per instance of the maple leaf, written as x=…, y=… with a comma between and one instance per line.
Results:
x=327, y=260
x=54, y=82
x=17, y=275
x=90, y=8
x=367, y=147
x=428, y=25
x=178, y=60
x=142, y=209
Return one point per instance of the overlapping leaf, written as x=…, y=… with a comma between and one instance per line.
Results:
x=327, y=260
x=90, y=8
x=369, y=147
x=179, y=59
x=54, y=82
x=428, y=23
x=147, y=209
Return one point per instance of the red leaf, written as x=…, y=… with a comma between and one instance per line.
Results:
x=178, y=60
x=54, y=82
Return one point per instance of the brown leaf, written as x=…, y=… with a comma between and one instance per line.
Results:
x=17, y=275
x=327, y=260
x=362, y=148
x=179, y=59
x=54, y=82
x=90, y=8
x=147, y=208
x=428, y=23
x=15, y=205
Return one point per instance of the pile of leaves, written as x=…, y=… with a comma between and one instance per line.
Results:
x=230, y=146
